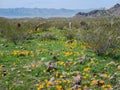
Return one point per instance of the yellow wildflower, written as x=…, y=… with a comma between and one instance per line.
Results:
x=68, y=74
x=64, y=81
x=61, y=76
x=2, y=75
x=56, y=81
x=101, y=81
x=109, y=86
x=68, y=53
x=38, y=80
x=79, y=89
x=41, y=86
x=86, y=69
x=49, y=83
x=44, y=71
x=103, y=86
x=59, y=87
x=69, y=81
x=106, y=87
x=57, y=74
x=0, y=67
x=93, y=82
x=105, y=75
x=84, y=77
x=37, y=85
x=15, y=52
x=59, y=81
x=85, y=87
x=24, y=53
x=46, y=80
x=38, y=29
x=67, y=68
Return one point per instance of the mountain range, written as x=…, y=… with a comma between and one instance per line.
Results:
x=38, y=12
x=113, y=11
x=47, y=13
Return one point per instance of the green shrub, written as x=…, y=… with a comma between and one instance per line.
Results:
x=14, y=31
x=103, y=39
x=70, y=34
x=48, y=36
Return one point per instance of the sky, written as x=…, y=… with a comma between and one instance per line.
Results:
x=68, y=4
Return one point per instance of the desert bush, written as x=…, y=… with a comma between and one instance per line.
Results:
x=48, y=36
x=70, y=34
x=61, y=25
x=45, y=26
x=14, y=31
x=103, y=39
x=84, y=25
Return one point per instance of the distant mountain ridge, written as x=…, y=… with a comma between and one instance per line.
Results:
x=38, y=12
x=113, y=11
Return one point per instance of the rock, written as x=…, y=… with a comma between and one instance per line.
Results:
x=43, y=58
x=76, y=87
x=77, y=79
x=50, y=66
x=13, y=69
x=82, y=59
x=52, y=79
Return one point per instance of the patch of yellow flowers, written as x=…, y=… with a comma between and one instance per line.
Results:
x=68, y=54
x=18, y=52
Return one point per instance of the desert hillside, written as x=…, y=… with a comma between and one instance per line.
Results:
x=113, y=11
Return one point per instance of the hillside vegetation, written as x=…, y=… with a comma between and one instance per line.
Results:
x=60, y=54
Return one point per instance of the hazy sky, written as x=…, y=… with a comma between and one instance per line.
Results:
x=69, y=4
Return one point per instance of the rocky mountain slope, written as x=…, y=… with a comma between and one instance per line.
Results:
x=113, y=11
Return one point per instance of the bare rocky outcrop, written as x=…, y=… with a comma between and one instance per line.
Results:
x=113, y=11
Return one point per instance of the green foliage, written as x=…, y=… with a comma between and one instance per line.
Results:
x=104, y=38
x=14, y=31
x=70, y=34
x=51, y=64
x=48, y=36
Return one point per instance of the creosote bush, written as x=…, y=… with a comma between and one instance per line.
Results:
x=105, y=39
x=70, y=34
x=14, y=31
x=48, y=36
